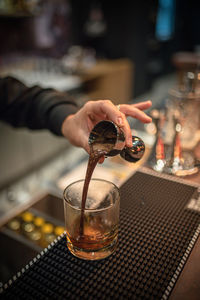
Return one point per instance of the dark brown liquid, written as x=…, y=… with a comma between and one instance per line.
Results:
x=94, y=157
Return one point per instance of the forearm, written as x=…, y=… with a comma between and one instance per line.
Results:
x=35, y=108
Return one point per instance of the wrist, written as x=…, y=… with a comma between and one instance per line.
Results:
x=65, y=125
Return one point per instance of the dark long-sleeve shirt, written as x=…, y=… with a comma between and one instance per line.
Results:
x=35, y=107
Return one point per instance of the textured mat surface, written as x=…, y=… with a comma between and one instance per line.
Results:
x=157, y=232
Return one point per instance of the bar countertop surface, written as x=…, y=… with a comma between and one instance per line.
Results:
x=157, y=256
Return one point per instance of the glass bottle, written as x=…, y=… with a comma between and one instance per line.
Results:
x=186, y=104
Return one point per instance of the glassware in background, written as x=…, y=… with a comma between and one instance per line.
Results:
x=158, y=162
x=100, y=219
x=176, y=156
x=185, y=110
x=177, y=129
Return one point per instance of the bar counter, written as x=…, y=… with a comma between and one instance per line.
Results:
x=157, y=255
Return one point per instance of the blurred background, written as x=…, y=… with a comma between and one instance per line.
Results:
x=94, y=50
x=148, y=33
x=124, y=51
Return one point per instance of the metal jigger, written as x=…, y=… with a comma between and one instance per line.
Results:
x=134, y=153
x=108, y=137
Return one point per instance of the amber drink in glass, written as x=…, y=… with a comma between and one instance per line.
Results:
x=92, y=233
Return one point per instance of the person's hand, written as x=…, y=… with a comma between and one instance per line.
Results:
x=77, y=127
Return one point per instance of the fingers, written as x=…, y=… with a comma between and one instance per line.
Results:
x=127, y=131
x=106, y=109
x=143, y=105
x=135, y=111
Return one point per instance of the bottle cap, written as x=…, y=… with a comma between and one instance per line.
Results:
x=59, y=230
x=27, y=216
x=38, y=221
x=35, y=235
x=14, y=224
x=47, y=228
x=50, y=238
x=28, y=227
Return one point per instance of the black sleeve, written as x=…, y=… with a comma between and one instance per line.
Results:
x=35, y=107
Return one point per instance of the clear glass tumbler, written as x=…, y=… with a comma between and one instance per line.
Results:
x=92, y=234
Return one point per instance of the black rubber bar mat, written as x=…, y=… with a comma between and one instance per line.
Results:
x=157, y=233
